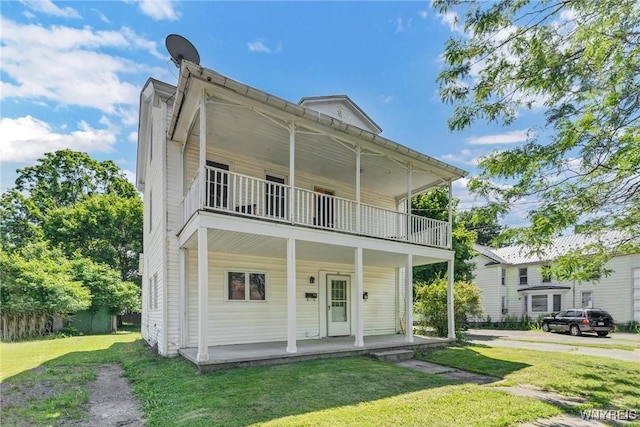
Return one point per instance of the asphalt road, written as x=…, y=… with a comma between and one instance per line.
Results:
x=559, y=342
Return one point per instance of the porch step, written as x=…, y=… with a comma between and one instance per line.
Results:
x=393, y=355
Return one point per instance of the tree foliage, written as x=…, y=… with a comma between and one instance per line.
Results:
x=60, y=179
x=434, y=204
x=484, y=223
x=579, y=63
x=38, y=280
x=432, y=304
x=106, y=228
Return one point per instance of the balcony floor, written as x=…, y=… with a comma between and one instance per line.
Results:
x=273, y=353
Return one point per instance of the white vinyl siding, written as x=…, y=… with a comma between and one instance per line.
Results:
x=233, y=322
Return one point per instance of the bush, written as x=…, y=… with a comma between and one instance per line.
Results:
x=630, y=327
x=432, y=304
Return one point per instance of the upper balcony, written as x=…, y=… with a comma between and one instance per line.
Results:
x=233, y=193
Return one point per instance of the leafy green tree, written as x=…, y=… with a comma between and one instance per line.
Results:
x=37, y=280
x=60, y=179
x=432, y=304
x=579, y=63
x=107, y=228
x=484, y=223
x=434, y=204
x=106, y=287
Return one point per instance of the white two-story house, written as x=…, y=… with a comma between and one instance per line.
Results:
x=272, y=221
x=514, y=283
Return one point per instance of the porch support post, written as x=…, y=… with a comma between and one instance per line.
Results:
x=408, y=298
x=291, y=296
x=182, y=281
x=409, y=196
x=292, y=170
x=449, y=237
x=358, y=303
x=358, y=208
x=203, y=295
x=451, y=326
x=202, y=161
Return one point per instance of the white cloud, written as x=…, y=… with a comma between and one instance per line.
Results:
x=423, y=14
x=133, y=137
x=102, y=16
x=510, y=137
x=62, y=64
x=47, y=7
x=465, y=157
x=451, y=20
x=26, y=139
x=130, y=175
x=159, y=9
x=387, y=99
x=259, y=45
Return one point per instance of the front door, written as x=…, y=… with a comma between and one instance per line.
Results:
x=338, y=316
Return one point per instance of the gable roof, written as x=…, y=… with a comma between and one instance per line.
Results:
x=522, y=254
x=320, y=103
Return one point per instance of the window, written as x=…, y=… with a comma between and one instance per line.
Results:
x=557, y=302
x=237, y=289
x=150, y=294
x=275, y=197
x=538, y=303
x=546, y=274
x=503, y=277
x=503, y=304
x=525, y=300
x=587, y=299
x=522, y=272
x=218, y=188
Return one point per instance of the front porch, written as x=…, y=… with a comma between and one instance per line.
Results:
x=274, y=353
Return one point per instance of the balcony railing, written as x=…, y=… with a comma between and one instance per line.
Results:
x=258, y=198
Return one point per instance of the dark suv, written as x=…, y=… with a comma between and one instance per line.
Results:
x=579, y=320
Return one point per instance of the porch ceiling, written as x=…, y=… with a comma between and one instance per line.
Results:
x=243, y=131
x=274, y=247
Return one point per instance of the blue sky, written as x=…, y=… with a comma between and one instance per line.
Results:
x=71, y=72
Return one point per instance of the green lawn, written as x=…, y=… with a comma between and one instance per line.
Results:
x=47, y=382
x=610, y=345
x=605, y=383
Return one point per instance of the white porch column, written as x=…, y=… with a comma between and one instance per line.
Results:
x=291, y=296
x=408, y=298
x=409, y=196
x=450, y=314
x=358, y=302
x=450, y=237
x=292, y=170
x=182, y=281
x=203, y=295
x=358, y=208
x=202, y=161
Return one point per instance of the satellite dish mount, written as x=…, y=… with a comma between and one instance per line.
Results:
x=180, y=48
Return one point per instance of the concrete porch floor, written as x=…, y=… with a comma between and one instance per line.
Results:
x=273, y=353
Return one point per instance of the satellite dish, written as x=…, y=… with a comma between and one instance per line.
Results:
x=180, y=48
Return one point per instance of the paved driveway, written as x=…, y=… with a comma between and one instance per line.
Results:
x=558, y=342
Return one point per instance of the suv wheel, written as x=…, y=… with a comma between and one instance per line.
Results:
x=575, y=330
x=602, y=333
x=545, y=327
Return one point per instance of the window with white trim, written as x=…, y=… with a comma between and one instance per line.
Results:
x=587, y=299
x=503, y=304
x=243, y=285
x=503, y=276
x=539, y=303
x=155, y=291
x=522, y=273
x=150, y=294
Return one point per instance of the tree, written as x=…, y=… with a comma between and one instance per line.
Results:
x=36, y=279
x=432, y=304
x=60, y=179
x=579, y=62
x=107, y=228
x=434, y=204
x=485, y=224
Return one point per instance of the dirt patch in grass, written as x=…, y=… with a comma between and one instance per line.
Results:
x=111, y=402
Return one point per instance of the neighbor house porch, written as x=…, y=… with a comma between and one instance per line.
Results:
x=273, y=353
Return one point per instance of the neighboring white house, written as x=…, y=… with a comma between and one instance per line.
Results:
x=513, y=284
x=268, y=221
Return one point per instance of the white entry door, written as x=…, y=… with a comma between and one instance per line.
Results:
x=338, y=315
